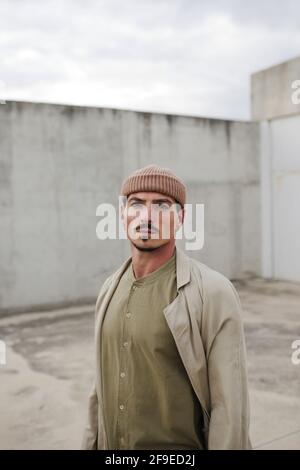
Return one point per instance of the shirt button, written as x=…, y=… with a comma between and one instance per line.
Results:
x=121, y=407
x=122, y=440
x=122, y=374
x=128, y=314
x=125, y=344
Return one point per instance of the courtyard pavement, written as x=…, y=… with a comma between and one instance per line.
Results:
x=49, y=371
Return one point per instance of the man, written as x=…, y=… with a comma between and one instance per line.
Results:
x=170, y=348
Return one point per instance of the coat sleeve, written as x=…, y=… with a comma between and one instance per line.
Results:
x=90, y=434
x=227, y=368
x=89, y=440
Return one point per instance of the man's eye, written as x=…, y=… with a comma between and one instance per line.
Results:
x=163, y=205
x=136, y=204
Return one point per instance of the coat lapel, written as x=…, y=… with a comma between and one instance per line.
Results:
x=183, y=318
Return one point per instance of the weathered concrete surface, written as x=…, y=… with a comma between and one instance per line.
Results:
x=44, y=386
x=272, y=94
x=272, y=323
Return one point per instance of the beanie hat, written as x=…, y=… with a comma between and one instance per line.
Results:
x=157, y=179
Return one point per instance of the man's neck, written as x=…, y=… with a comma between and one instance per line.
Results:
x=145, y=262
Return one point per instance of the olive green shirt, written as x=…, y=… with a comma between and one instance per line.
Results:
x=148, y=400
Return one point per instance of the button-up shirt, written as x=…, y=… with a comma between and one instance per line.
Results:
x=148, y=400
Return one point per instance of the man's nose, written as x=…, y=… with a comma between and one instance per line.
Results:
x=145, y=213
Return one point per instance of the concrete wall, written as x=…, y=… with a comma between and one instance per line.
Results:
x=57, y=163
x=272, y=94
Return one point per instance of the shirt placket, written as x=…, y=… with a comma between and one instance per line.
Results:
x=124, y=384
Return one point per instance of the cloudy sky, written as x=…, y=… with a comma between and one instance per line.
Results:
x=190, y=57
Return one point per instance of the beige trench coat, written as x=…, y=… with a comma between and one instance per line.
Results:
x=206, y=322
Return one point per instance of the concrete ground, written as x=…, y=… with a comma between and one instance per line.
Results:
x=49, y=370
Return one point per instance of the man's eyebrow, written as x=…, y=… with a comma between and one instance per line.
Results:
x=162, y=200
x=154, y=200
x=136, y=199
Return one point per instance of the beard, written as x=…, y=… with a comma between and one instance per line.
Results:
x=145, y=248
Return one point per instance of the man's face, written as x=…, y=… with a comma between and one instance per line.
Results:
x=151, y=219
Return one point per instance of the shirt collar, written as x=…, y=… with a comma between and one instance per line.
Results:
x=182, y=268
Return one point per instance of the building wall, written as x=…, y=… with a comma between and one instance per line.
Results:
x=275, y=91
x=280, y=183
x=58, y=163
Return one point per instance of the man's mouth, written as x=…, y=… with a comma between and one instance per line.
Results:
x=144, y=230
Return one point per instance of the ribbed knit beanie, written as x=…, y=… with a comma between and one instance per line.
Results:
x=157, y=179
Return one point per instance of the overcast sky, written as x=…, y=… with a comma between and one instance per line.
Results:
x=176, y=56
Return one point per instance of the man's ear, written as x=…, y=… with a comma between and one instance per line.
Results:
x=180, y=216
x=122, y=211
x=182, y=212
